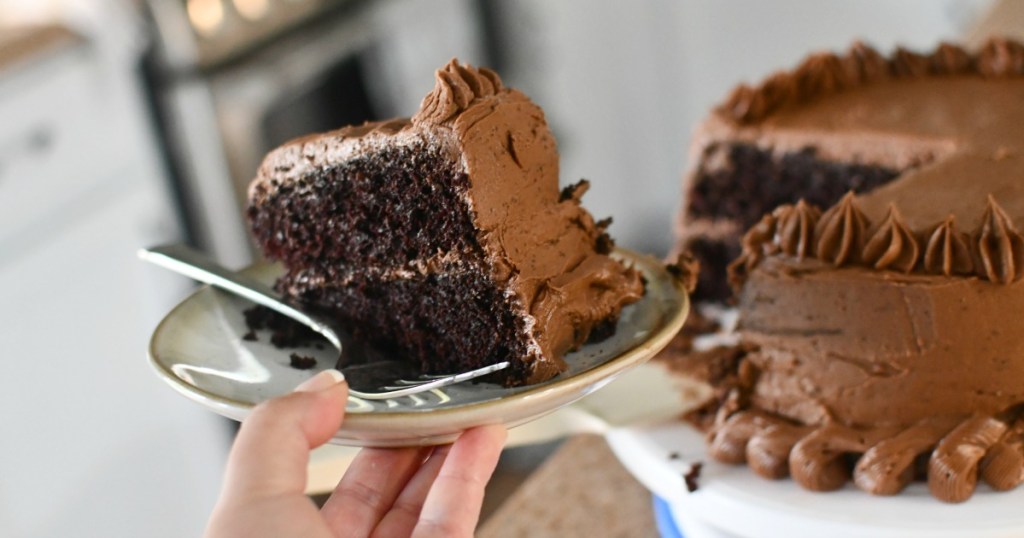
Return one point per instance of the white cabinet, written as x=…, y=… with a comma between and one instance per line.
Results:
x=93, y=443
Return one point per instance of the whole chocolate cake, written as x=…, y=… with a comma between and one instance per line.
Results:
x=871, y=207
x=444, y=238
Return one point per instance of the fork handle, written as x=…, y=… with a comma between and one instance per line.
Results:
x=194, y=264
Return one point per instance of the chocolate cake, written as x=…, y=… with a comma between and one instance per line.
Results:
x=871, y=207
x=444, y=238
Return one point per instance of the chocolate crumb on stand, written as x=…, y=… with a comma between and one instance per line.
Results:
x=691, y=476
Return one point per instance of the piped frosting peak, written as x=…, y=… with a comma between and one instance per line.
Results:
x=795, y=229
x=841, y=232
x=456, y=87
x=892, y=246
x=1000, y=246
x=948, y=250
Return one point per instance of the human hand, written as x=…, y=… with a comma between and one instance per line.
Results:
x=418, y=491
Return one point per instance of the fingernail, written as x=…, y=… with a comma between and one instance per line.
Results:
x=321, y=381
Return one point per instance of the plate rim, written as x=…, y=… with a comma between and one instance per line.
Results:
x=657, y=340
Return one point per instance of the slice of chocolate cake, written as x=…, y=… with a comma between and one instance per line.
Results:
x=444, y=238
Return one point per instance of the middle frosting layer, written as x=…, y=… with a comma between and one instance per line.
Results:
x=868, y=347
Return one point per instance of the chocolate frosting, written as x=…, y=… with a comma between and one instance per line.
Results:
x=544, y=250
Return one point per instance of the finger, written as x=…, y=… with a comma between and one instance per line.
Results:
x=401, y=519
x=452, y=507
x=271, y=452
x=370, y=486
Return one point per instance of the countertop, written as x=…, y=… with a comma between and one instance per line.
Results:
x=579, y=490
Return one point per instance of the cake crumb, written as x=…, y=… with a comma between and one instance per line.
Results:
x=574, y=191
x=284, y=331
x=250, y=336
x=691, y=476
x=673, y=455
x=301, y=362
x=686, y=269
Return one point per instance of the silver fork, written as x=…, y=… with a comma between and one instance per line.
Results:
x=198, y=266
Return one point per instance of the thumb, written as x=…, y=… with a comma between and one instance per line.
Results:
x=271, y=451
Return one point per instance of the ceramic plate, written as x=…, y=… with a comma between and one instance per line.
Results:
x=200, y=351
x=731, y=501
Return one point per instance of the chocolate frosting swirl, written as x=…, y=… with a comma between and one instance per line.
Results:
x=952, y=469
x=758, y=240
x=906, y=63
x=950, y=59
x=744, y=104
x=456, y=86
x=841, y=232
x=768, y=450
x=1000, y=58
x=865, y=64
x=948, y=251
x=817, y=462
x=820, y=74
x=1000, y=248
x=686, y=270
x=778, y=90
x=887, y=467
x=794, y=232
x=728, y=442
x=1003, y=466
x=892, y=245
x=756, y=244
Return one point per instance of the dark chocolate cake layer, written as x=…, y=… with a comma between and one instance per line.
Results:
x=386, y=207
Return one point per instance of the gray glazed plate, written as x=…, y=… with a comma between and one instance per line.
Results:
x=199, y=350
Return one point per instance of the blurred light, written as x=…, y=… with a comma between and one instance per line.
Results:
x=206, y=16
x=252, y=9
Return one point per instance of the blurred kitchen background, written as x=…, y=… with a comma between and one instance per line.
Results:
x=128, y=123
